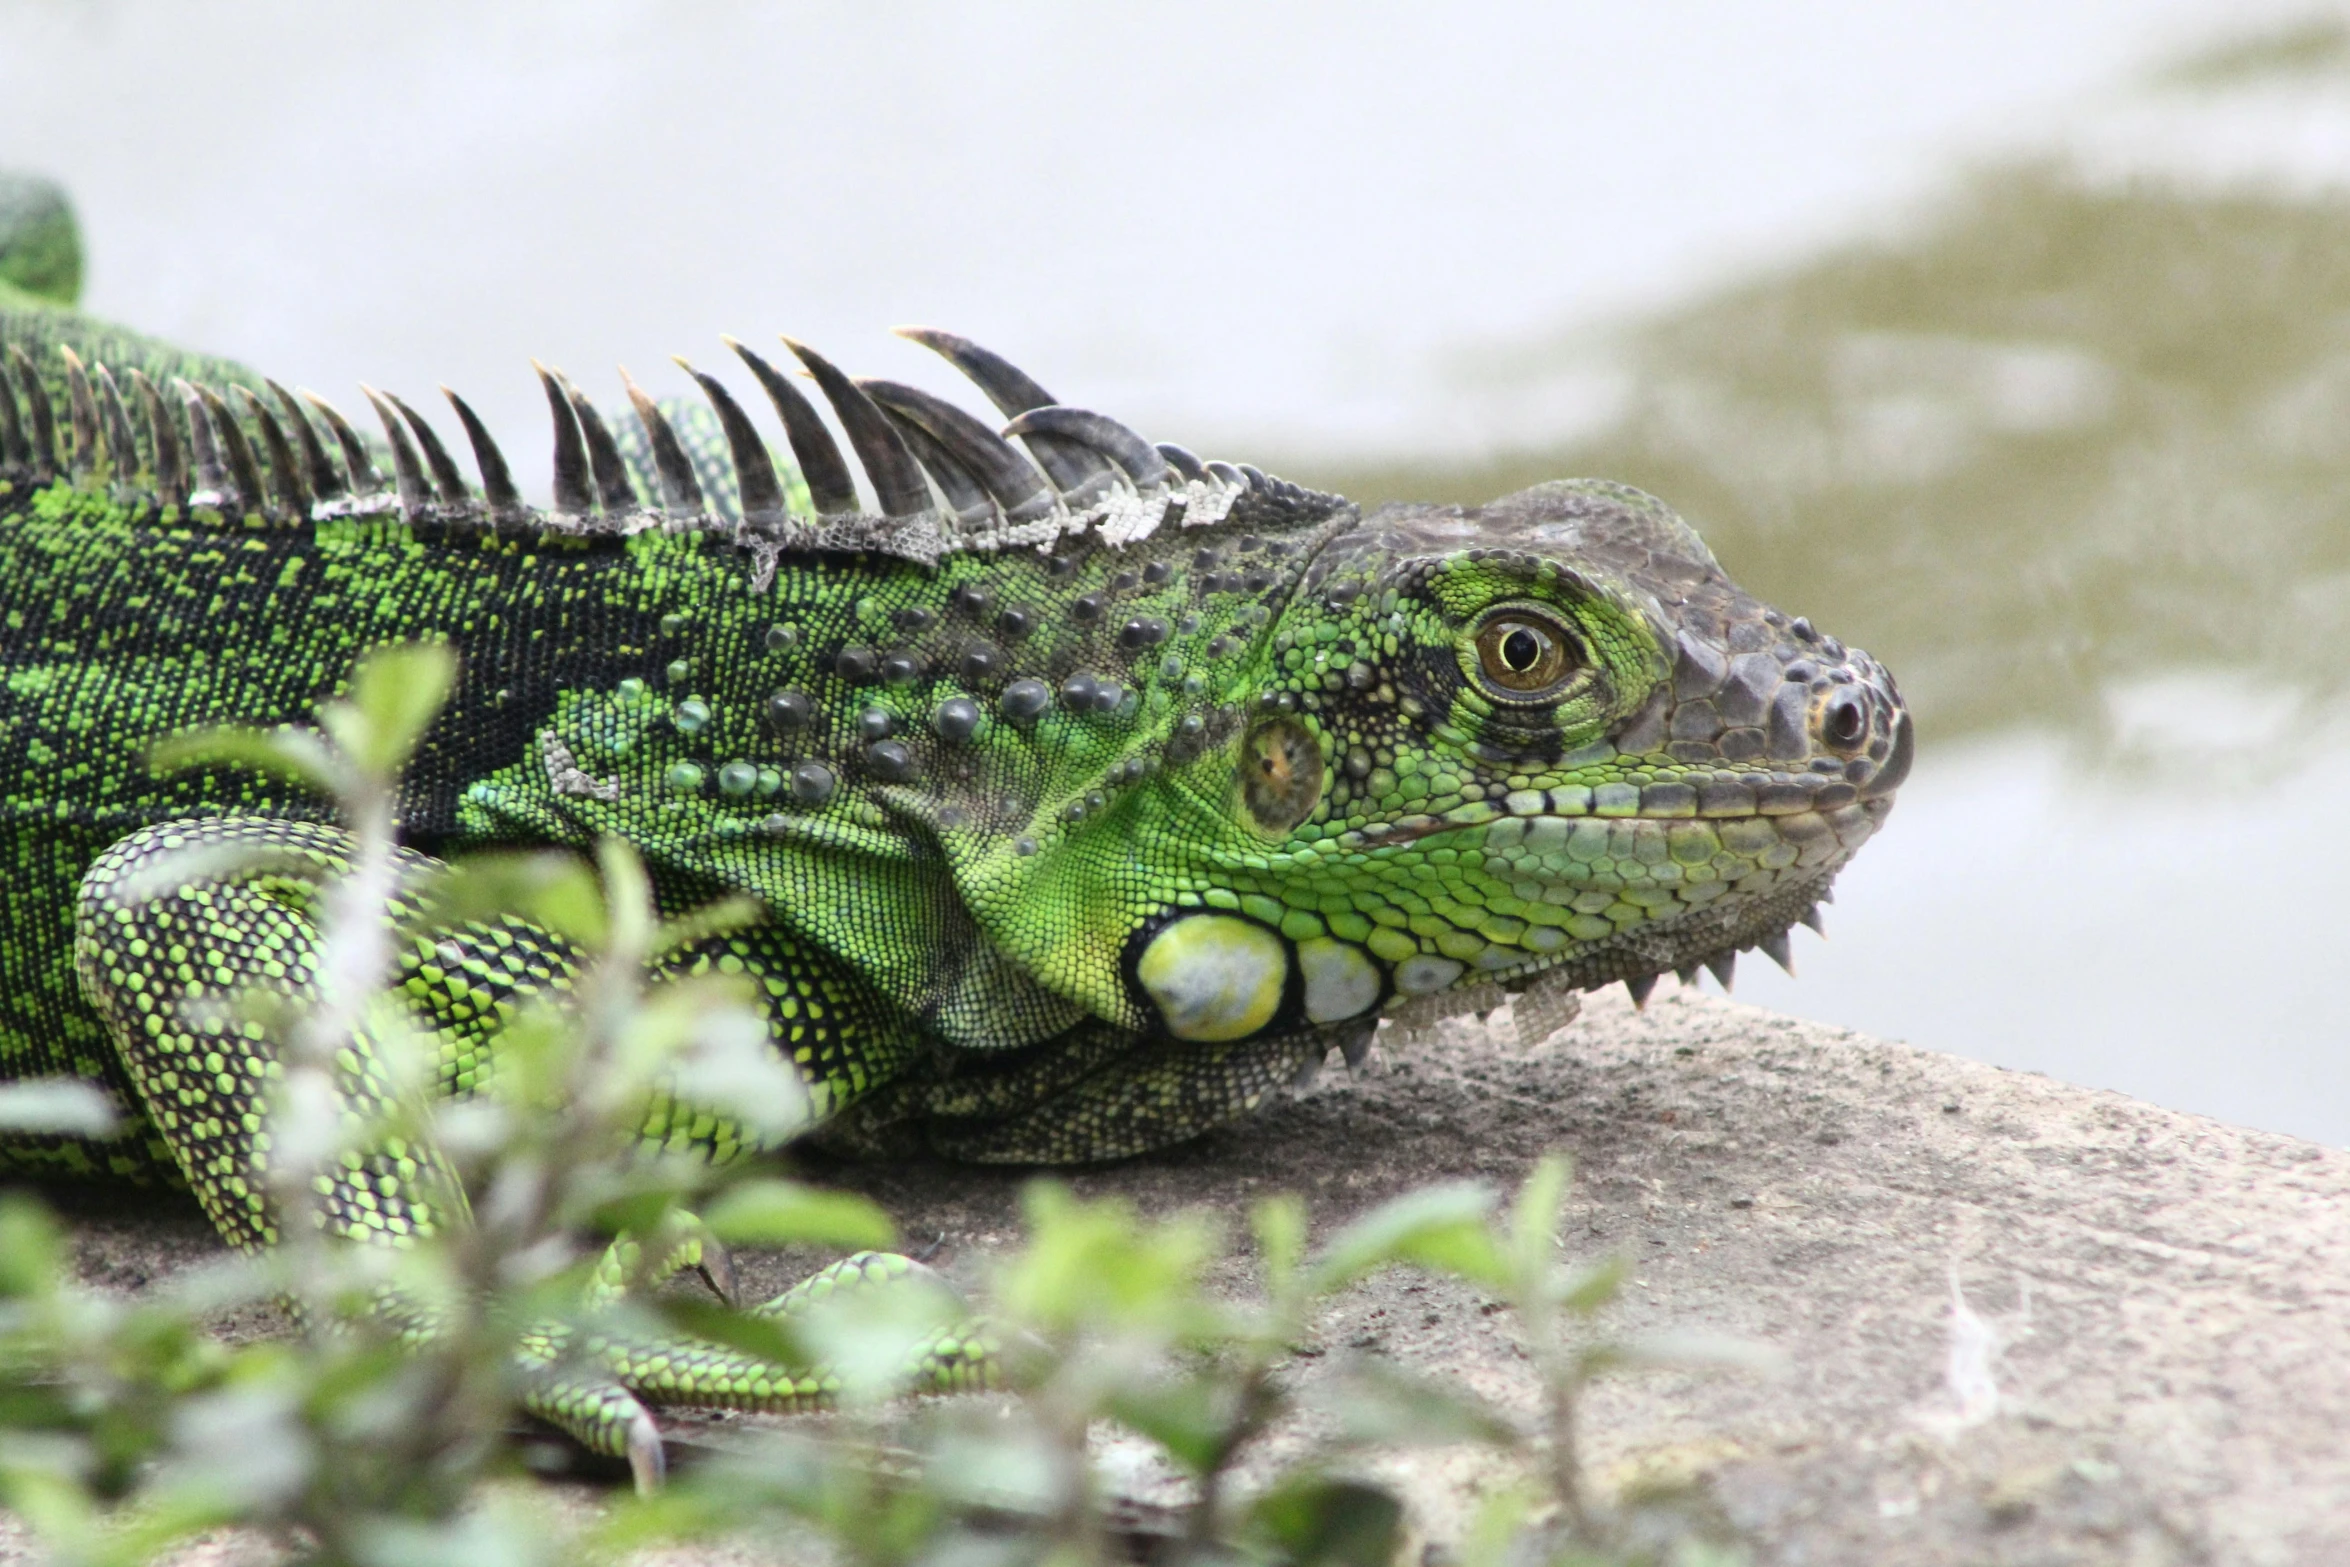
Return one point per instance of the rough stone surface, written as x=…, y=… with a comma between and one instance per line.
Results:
x=2173, y=1294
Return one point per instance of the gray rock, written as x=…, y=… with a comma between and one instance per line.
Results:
x=2172, y=1294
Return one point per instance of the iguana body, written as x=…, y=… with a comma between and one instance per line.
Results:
x=1090, y=794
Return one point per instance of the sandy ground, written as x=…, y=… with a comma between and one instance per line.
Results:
x=2172, y=1295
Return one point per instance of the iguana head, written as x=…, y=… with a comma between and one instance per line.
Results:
x=1542, y=737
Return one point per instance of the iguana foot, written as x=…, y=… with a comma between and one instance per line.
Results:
x=600, y=1387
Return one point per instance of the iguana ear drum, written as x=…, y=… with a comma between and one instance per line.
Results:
x=1280, y=775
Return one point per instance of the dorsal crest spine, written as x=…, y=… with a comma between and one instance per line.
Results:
x=944, y=482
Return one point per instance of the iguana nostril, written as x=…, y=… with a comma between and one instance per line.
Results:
x=1845, y=723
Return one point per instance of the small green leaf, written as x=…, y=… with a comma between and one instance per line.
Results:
x=1534, y=1219
x=244, y=1444
x=775, y=1339
x=1187, y=1418
x=1437, y=1227
x=1004, y=1466
x=64, y=1105
x=295, y=755
x=719, y=1057
x=721, y=918
x=30, y=1250
x=394, y=694
x=1101, y=1264
x=1584, y=1290
x=628, y=898
x=1377, y=1403
x=1280, y=1226
x=41, y=1486
x=1315, y=1520
x=1495, y=1526
x=551, y=889
x=498, y=1531
x=225, y=859
x=638, y=1212
x=877, y=1341
x=228, y=1280
x=772, y=1212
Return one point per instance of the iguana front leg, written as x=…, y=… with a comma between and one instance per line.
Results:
x=173, y=969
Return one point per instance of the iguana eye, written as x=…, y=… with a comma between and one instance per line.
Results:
x=1525, y=654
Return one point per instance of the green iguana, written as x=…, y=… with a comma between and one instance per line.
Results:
x=1093, y=791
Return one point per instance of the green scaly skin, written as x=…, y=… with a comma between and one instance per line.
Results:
x=1070, y=850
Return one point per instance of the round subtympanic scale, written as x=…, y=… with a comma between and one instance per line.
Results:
x=1341, y=982
x=1214, y=977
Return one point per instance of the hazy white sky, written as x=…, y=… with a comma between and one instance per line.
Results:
x=1260, y=228
x=1256, y=229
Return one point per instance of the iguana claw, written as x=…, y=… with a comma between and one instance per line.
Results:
x=717, y=1270
x=648, y=1465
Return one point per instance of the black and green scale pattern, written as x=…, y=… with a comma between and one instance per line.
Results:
x=977, y=795
x=1074, y=838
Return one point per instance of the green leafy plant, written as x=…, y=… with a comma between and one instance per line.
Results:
x=377, y=1432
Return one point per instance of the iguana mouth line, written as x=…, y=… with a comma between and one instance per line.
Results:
x=1402, y=834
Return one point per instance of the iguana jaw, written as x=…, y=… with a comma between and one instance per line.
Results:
x=1576, y=901
x=1768, y=872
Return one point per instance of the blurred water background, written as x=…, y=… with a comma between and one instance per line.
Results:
x=2011, y=341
